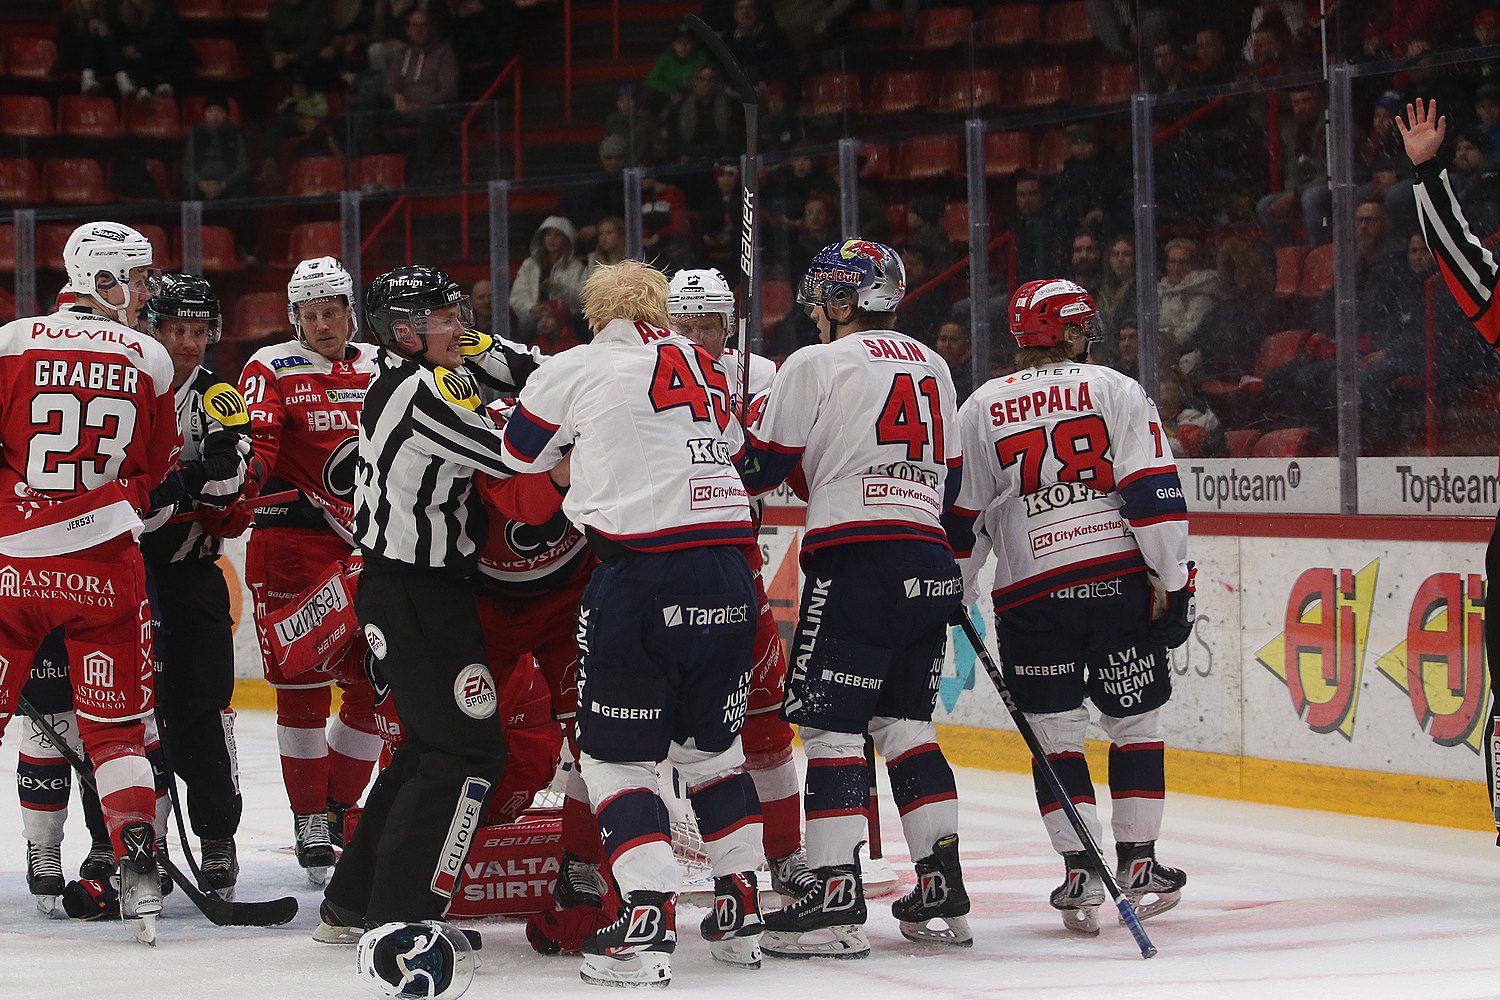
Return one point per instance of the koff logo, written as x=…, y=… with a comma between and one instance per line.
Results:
x=99, y=669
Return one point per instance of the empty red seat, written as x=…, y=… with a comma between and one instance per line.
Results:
x=161, y=247
x=830, y=94
x=75, y=180
x=1289, y=442
x=893, y=93
x=1289, y=270
x=1279, y=348
x=316, y=175
x=257, y=315
x=218, y=59
x=877, y=159
x=50, y=240
x=900, y=225
x=1068, y=23
x=776, y=302
x=30, y=58
x=1317, y=272
x=1011, y=24
x=1111, y=83
x=251, y=10
x=89, y=117
x=928, y=156
x=942, y=27
x=219, y=253
x=964, y=92
x=7, y=248
x=315, y=239
x=955, y=221
x=1042, y=86
x=204, y=10
x=26, y=117
x=159, y=118
x=192, y=111
x=1006, y=152
x=1052, y=151
x=380, y=172
x=20, y=183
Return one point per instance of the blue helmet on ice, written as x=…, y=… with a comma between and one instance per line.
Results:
x=866, y=274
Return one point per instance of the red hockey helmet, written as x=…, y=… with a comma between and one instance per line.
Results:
x=1042, y=310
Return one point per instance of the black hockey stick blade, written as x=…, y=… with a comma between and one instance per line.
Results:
x=223, y=912
x=1039, y=756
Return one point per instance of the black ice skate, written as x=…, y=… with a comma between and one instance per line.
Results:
x=734, y=926
x=139, y=884
x=44, y=875
x=825, y=923
x=99, y=866
x=635, y=950
x=791, y=876
x=1080, y=894
x=220, y=868
x=314, y=848
x=578, y=883
x=1141, y=875
x=336, y=811
x=161, y=871
x=338, y=924
x=939, y=894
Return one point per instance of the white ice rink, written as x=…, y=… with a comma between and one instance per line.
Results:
x=1280, y=904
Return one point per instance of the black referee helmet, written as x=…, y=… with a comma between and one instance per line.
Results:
x=406, y=297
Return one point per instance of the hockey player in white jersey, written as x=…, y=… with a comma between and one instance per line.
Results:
x=1072, y=484
x=668, y=618
x=702, y=308
x=868, y=414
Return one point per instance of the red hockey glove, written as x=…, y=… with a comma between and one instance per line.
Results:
x=555, y=931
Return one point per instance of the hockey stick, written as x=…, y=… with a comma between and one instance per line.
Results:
x=224, y=913
x=1039, y=757
x=872, y=805
x=749, y=183
x=269, y=500
x=182, y=835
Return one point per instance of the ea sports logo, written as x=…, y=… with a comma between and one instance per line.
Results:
x=474, y=690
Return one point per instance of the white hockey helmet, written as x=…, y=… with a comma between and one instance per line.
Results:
x=427, y=959
x=697, y=292
x=104, y=248
x=320, y=278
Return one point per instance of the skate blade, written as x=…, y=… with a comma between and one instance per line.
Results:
x=743, y=952
x=648, y=970
x=317, y=875
x=144, y=928
x=955, y=933
x=46, y=905
x=1084, y=920
x=846, y=941
x=329, y=934
x=1159, y=903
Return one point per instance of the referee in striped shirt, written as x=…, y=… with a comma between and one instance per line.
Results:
x=422, y=436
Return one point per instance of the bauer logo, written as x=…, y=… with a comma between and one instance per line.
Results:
x=466, y=818
x=376, y=641
x=474, y=690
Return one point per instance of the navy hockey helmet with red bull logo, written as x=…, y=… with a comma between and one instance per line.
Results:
x=868, y=274
x=1041, y=312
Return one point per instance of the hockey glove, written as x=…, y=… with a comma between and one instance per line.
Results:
x=90, y=900
x=1172, y=627
x=555, y=931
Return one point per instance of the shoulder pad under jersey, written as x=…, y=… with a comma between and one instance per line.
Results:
x=223, y=403
x=457, y=387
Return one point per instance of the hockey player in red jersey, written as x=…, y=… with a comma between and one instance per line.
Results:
x=702, y=308
x=304, y=398
x=87, y=432
x=1069, y=477
x=868, y=415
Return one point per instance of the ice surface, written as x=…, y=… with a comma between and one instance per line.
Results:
x=1280, y=904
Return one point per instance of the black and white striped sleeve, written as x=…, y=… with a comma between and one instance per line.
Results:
x=500, y=366
x=1466, y=264
x=455, y=433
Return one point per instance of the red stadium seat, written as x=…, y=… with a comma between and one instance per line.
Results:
x=1279, y=348
x=20, y=184
x=1011, y=24
x=192, y=111
x=955, y=221
x=1111, y=83
x=942, y=27
x=1287, y=443
x=7, y=306
x=75, y=181
x=161, y=247
x=380, y=172
x=1241, y=443
x=895, y=93
x=928, y=156
x=830, y=94
x=1191, y=439
x=89, y=117
x=159, y=119
x=30, y=58
x=315, y=239
x=879, y=20
x=1068, y=23
x=162, y=181
x=219, y=253
x=963, y=92
x=7, y=248
x=26, y=118
x=316, y=175
x=776, y=302
x=1289, y=270
x=50, y=240
x=1006, y=152
x=877, y=159
x=1317, y=272
x=204, y=10
x=900, y=225
x=218, y=59
x=1042, y=86
x=1052, y=152
x=257, y=315
x=251, y=10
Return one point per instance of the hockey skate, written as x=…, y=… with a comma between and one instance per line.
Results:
x=1080, y=894
x=940, y=895
x=338, y=924
x=139, y=883
x=791, y=877
x=734, y=925
x=1141, y=875
x=161, y=871
x=44, y=875
x=635, y=950
x=314, y=848
x=824, y=923
x=220, y=868
x=578, y=883
x=99, y=866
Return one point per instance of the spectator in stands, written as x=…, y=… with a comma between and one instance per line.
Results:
x=1396, y=327
x=297, y=31
x=671, y=76
x=1041, y=246
x=720, y=221
x=666, y=225
x=424, y=71
x=215, y=157
x=1184, y=295
x=760, y=47
x=484, y=38
x=130, y=177
x=1386, y=170
x=389, y=25
x=350, y=23
x=637, y=126
x=787, y=188
x=554, y=328
x=591, y=201
x=1476, y=182
x=1127, y=355
x=154, y=52
x=1168, y=73
x=920, y=315
x=707, y=122
x=1271, y=50
x=1214, y=64
x=1487, y=111
x=87, y=44
x=550, y=272
x=482, y=298
x=1486, y=33
x=779, y=127
x=1115, y=298
x=1087, y=266
x=300, y=128
x=819, y=229
x=924, y=215
x=953, y=347
x=1304, y=173
x=1090, y=193
x=1227, y=341
x=610, y=245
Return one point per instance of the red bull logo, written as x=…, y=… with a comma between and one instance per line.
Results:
x=861, y=248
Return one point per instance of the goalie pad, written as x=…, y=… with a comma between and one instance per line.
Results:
x=510, y=869
x=316, y=627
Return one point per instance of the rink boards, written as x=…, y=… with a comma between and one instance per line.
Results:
x=1338, y=664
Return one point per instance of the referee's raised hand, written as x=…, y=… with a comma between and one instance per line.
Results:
x=1422, y=131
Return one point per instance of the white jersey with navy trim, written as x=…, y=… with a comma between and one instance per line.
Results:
x=871, y=419
x=1069, y=475
x=645, y=413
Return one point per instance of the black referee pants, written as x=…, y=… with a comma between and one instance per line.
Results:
x=423, y=812
x=194, y=684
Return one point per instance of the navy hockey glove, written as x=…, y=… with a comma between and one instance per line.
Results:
x=90, y=900
x=1174, y=624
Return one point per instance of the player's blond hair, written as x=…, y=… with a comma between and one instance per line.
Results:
x=629, y=290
